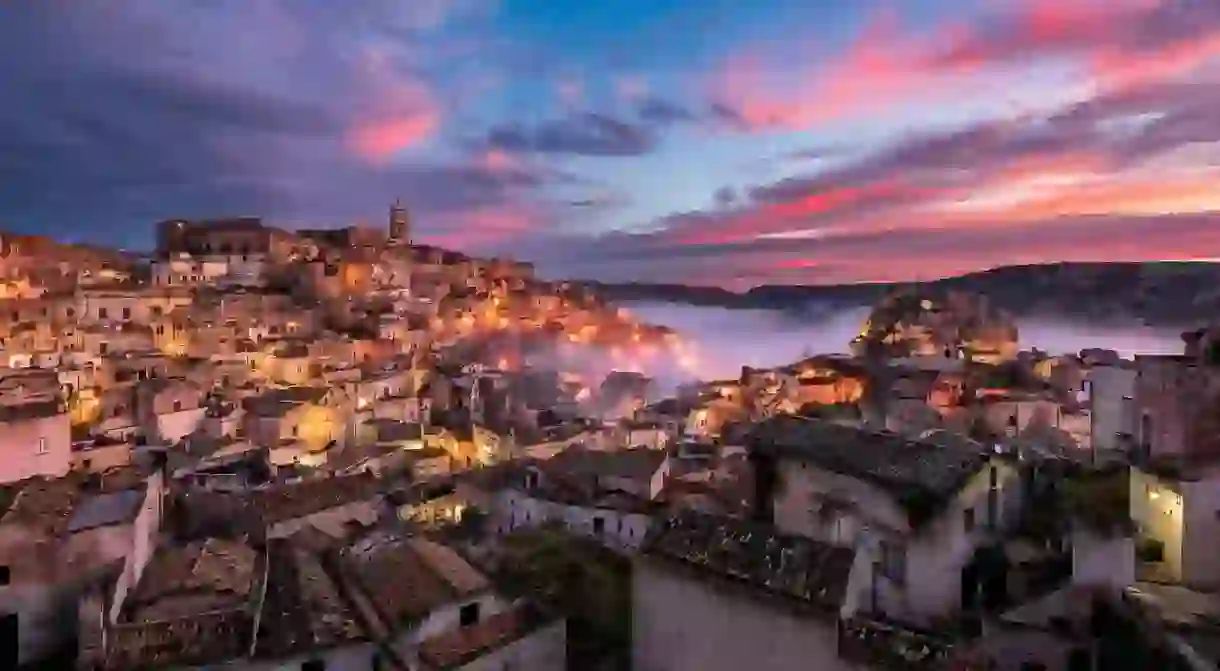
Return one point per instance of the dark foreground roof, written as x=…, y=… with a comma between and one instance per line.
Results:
x=798, y=570
x=921, y=476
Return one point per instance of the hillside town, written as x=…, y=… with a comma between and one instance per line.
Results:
x=263, y=448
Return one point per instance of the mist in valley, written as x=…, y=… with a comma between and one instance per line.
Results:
x=723, y=340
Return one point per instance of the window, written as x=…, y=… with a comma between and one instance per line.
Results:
x=313, y=665
x=893, y=563
x=469, y=614
x=71, y=312
x=599, y=525
x=103, y=313
x=42, y=446
x=968, y=519
x=126, y=313
x=177, y=406
x=4, y=575
x=102, y=348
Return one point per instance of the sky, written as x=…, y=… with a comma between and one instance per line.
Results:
x=717, y=142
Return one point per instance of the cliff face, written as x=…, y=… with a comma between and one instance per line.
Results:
x=1162, y=293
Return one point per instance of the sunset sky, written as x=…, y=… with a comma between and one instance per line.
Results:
x=710, y=142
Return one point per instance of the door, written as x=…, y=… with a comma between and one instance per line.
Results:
x=970, y=586
x=8, y=641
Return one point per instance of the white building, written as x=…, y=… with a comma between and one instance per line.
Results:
x=917, y=511
x=710, y=594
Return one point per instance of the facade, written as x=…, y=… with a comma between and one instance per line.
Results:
x=1111, y=392
x=1173, y=395
x=691, y=615
x=56, y=539
x=1175, y=515
x=35, y=440
x=918, y=511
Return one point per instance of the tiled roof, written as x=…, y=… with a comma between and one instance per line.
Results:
x=459, y=647
x=106, y=509
x=303, y=609
x=637, y=463
x=212, y=574
x=277, y=402
x=31, y=410
x=407, y=578
x=44, y=504
x=205, y=638
x=799, y=570
x=886, y=645
x=919, y=475
x=288, y=502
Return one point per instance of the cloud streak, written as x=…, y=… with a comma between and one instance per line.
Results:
x=892, y=155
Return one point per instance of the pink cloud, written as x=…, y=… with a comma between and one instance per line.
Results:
x=881, y=66
x=1117, y=43
x=379, y=141
x=403, y=111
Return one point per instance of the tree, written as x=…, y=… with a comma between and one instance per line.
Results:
x=473, y=522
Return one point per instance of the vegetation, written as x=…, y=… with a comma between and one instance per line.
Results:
x=588, y=584
x=1073, y=497
x=1102, y=503
x=473, y=523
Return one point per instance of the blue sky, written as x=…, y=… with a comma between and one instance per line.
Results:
x=718, y=142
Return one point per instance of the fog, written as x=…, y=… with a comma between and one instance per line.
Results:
x=724, y=340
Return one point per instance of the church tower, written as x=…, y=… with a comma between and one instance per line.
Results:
x=400, y=225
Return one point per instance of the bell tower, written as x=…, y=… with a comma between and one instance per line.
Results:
x=400, y=224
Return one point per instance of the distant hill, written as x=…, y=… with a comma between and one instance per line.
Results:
x=1158, y=293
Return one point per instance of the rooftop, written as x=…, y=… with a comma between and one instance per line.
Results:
x=798, y=570
x=918, y=474
x=205, y=638
x=635, y=463
x=201, y=577
x=303, y=609
x=407, y=578
x=34, y=409
x=45, y=505
x=277, y=402
x=288, y=502
x=106, y=509
x=458, y=647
